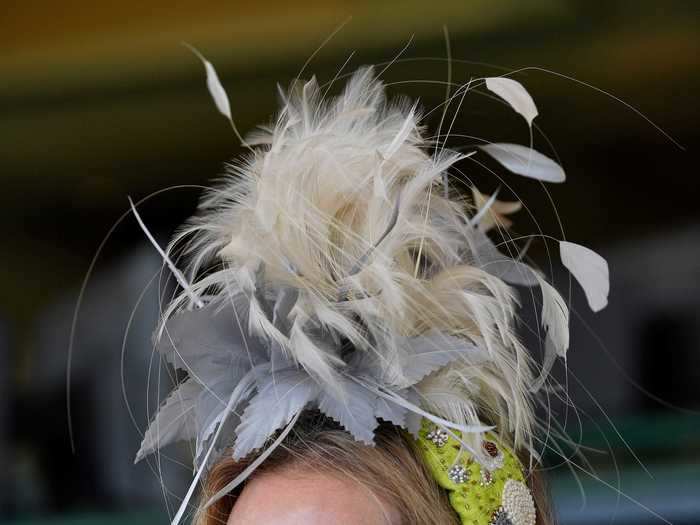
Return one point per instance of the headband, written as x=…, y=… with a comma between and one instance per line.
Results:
x=336, y=269
x=490, y=490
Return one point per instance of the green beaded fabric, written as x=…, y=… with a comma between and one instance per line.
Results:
x=475, y=492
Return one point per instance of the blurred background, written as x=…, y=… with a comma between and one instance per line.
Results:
x=99, y=101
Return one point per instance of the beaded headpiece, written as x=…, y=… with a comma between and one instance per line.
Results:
x=336, y=269
x=487, y=491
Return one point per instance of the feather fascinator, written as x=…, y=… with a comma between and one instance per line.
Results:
x=333, y=269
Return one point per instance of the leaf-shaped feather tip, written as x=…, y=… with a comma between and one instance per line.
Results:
x=206, y=340
x=590, y=270
x=515, y=94
x=211, y=409
x=429, y=352
x=175, y=420
x=555, y=320
x=354, y=411
x=396, y=414
x=390, y=412
x=217, y=91
x=277, y=401
x=525, y=161
x=555, y=317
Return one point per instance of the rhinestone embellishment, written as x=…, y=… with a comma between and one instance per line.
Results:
x=500, y=517
x=486, y=478
x=458, y=474
x=491, y=448
x=516, y=504
x=495, y=457
x=438, y=437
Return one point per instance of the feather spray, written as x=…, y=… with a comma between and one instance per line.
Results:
x=335, y=275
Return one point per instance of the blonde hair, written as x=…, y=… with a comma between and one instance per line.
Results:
x=391, y=470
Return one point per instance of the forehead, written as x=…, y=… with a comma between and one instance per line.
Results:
x=287, y=498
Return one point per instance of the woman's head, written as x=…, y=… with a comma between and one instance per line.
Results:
x=322, y=475
x=322, y=471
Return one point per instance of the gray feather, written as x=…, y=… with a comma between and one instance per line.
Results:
x=226, y=439
x=414, y=420
x=390, y=412
x=354, y=411
x=175, y=421
x=279, y=360
x=413, y=423
x=277, y=401
x=207, y=340
x=285, y=301
x=424, y=354
x=211, y=409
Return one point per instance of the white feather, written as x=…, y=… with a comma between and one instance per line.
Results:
x=555, y=321
x=515, y=94
x=590, y=270
x=525, y=161
x=555, y=317
x=216, y=90
x=218, y=93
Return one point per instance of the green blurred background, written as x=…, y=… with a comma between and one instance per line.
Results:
x=99, y=101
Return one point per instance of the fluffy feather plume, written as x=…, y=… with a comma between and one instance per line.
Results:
x=341, y=270
x=315, y=207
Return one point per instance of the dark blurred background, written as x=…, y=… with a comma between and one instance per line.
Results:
x=99, y=101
